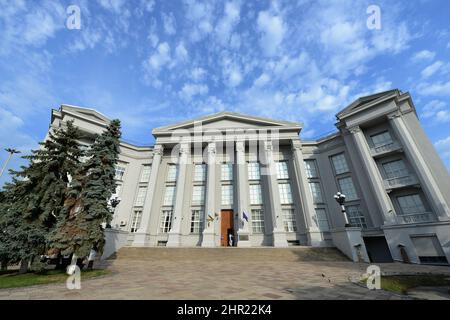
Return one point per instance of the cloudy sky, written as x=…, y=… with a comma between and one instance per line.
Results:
x=152, y=63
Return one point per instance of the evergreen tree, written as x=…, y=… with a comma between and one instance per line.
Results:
x=86, y=207
x=36, y=197
x=21, y=238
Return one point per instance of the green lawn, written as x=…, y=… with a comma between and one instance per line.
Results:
x=11, y=279
x=402, y=283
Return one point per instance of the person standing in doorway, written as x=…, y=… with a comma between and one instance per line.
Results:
x=230, y=238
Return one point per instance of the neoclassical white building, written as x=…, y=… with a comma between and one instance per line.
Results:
x=232, y=179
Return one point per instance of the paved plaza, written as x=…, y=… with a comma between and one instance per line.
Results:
x=199, y=276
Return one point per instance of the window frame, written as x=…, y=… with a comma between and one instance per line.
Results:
x=136, y=220
x=314, y=169
x=197, y=220
x=166, y=224
x=347, y=195
x=282, y=197
x=335, y=156
x=145, y=167
x=257, y=222
x=290, y=220
x=140, y=195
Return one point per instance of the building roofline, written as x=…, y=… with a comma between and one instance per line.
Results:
x=224, y=114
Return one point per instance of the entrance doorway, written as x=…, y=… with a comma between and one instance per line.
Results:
x=226, y=227
x=378, y=249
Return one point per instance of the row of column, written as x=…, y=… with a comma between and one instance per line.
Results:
x=208, y=240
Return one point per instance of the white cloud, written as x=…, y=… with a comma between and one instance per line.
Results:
x=200, y=17
x=25, y=24
x=112, y=5
x=198, y=74
x=181, y=52
x=161, y=57
x=273, y=30
x=148, y=5
x=437, y=89
x=212, y=105
x=190, y=89
x=262, y=80
x=436, y=110
x=423, y=55
x=286, y=67
x=169, y=23
x=443, y=147
x=431, y=69
x=228, y=22
x=153, y=34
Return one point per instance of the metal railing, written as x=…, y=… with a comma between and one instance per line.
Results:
x=398, y=182
x=415, y=218
x=391, y=146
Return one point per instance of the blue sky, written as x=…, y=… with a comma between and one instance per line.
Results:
x=152, y=63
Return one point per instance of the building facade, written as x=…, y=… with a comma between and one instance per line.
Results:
x=231, y=179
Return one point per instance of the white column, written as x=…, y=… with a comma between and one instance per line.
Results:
x=174, y=239
x=279, y=235
x=307, y=202
x=429, y=184
x=208, y=239
x=381, y=197
x=243, y=197
x=141, y=236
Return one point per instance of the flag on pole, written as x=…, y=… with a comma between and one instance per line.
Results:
x=244, y=216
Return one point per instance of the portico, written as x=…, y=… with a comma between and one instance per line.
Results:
x=227, y=166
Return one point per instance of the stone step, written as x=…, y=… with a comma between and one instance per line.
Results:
x=231, y=254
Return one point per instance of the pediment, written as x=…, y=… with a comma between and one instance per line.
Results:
x=225, y=120
x=85, y=113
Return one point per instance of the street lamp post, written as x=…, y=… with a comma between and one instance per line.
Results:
x=11, y=151
x=340, y=198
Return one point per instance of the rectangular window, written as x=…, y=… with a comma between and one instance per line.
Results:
x=255, y=194
x=395, y=169
x=119, y=172
x=322, y=220
x=136, y=220
x=290, y=224
x=316, y=192
x=198, y=195
x=411, y=204
x=169, y=196
x=200, y=172
x=285, y=193
x=197, y=221
x=381, y=139
x=140, y=198
x=145, y=173
x=166, y=221
x=227, y=171
x=257, y=221
x=339, y=163
x=172, y=173
x=227, y=195
x=356, y=217
x=282, y=170
x=253, y=171
x=347, y=188
x=311, y=171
